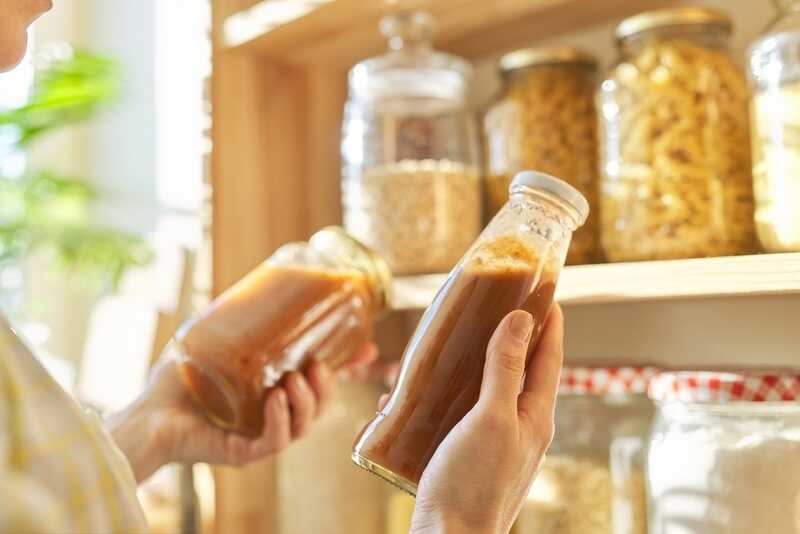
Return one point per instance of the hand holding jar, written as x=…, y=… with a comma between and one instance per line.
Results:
x=308, y=302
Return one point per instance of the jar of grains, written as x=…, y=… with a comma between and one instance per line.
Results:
x=544, y=119
x=775, y=119
x=675, y=145
x=410, y=181
x=724, y=455
x=593, y=481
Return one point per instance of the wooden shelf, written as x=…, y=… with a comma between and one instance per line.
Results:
x=340, y=32
x=764, y=274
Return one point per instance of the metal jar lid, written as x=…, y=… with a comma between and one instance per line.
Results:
x=678, y=16
x=334, y=241
x=545, y=55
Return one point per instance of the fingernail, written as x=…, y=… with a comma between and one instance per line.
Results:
x=521, y=326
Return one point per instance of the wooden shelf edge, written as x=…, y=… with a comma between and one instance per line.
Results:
x=341, y=32
x=763, y=274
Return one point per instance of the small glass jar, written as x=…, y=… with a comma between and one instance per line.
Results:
x=724, y=455
x=515, y=263
x=544, y=119
x=410, y=180
x=775, y=118
x=316, y=300
x=675, y=143
x=592, y=480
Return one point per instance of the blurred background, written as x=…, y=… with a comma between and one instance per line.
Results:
x=115, y=229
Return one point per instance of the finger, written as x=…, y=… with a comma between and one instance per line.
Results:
x=356, y=366
x=323, y=383
x=382, y=401
x=390, y=373
x=302, y=402
x=544, y=370
x=505, y=360
x=276, y=434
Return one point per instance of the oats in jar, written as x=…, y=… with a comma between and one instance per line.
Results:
x=574, y=495
x=419, y=215
x=676, y=176
x=545, y=120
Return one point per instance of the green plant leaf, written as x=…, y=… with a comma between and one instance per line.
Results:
x=68, y=88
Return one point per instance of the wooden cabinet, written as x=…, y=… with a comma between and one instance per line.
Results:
x=279, y=84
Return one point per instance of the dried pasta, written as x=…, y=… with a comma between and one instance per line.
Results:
x=675, y=155
x=546, y=121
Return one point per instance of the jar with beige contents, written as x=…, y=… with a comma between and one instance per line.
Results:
x=410, y=181
x=593, y=479
x=544, y=118
x=675, y=151
x=775, y=108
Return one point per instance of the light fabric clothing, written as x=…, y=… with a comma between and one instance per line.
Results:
x=60, y=471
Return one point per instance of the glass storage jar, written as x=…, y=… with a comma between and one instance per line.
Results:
x=544, y=118
x=515, y=263
x=315, y=300
x=592, y=480
x=724, y=456
x=410, y=181
x=675, y=146
x=775, y=120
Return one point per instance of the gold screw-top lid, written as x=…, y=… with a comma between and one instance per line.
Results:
x=678, y=16
x=338, y=244
x=545, y=55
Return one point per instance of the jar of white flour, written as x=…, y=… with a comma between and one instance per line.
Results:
x=724, y=455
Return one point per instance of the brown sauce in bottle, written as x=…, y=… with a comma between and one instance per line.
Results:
x=443, y=363
x=273, y=321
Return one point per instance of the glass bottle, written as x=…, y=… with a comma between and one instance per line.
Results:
x=676, y=176
x=544, y=118
x=515, y=263
x=309, y=300
x=410, y=180
x=775, y=119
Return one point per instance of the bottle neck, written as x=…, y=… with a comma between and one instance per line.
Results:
x=346, y=252
x=558, y=209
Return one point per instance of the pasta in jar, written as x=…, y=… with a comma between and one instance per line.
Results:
x=675, y=153
x=545, y=119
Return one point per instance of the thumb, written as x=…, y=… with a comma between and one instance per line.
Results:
x=505, y=360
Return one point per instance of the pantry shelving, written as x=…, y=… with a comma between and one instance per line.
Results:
x=762, y=274
x=278, y=88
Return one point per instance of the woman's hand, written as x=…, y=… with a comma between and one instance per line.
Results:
x=482, y=471
x=164, y=425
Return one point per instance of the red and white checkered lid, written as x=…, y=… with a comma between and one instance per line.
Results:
x=724, y=387
x=605, y=380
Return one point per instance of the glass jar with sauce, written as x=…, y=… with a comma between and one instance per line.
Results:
x=675, y=163
x=593, y=479
x=315, y=300
x=724, y=454
x=545, y=119
x=514, y=264
x=410, y=181
x=775, y=118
